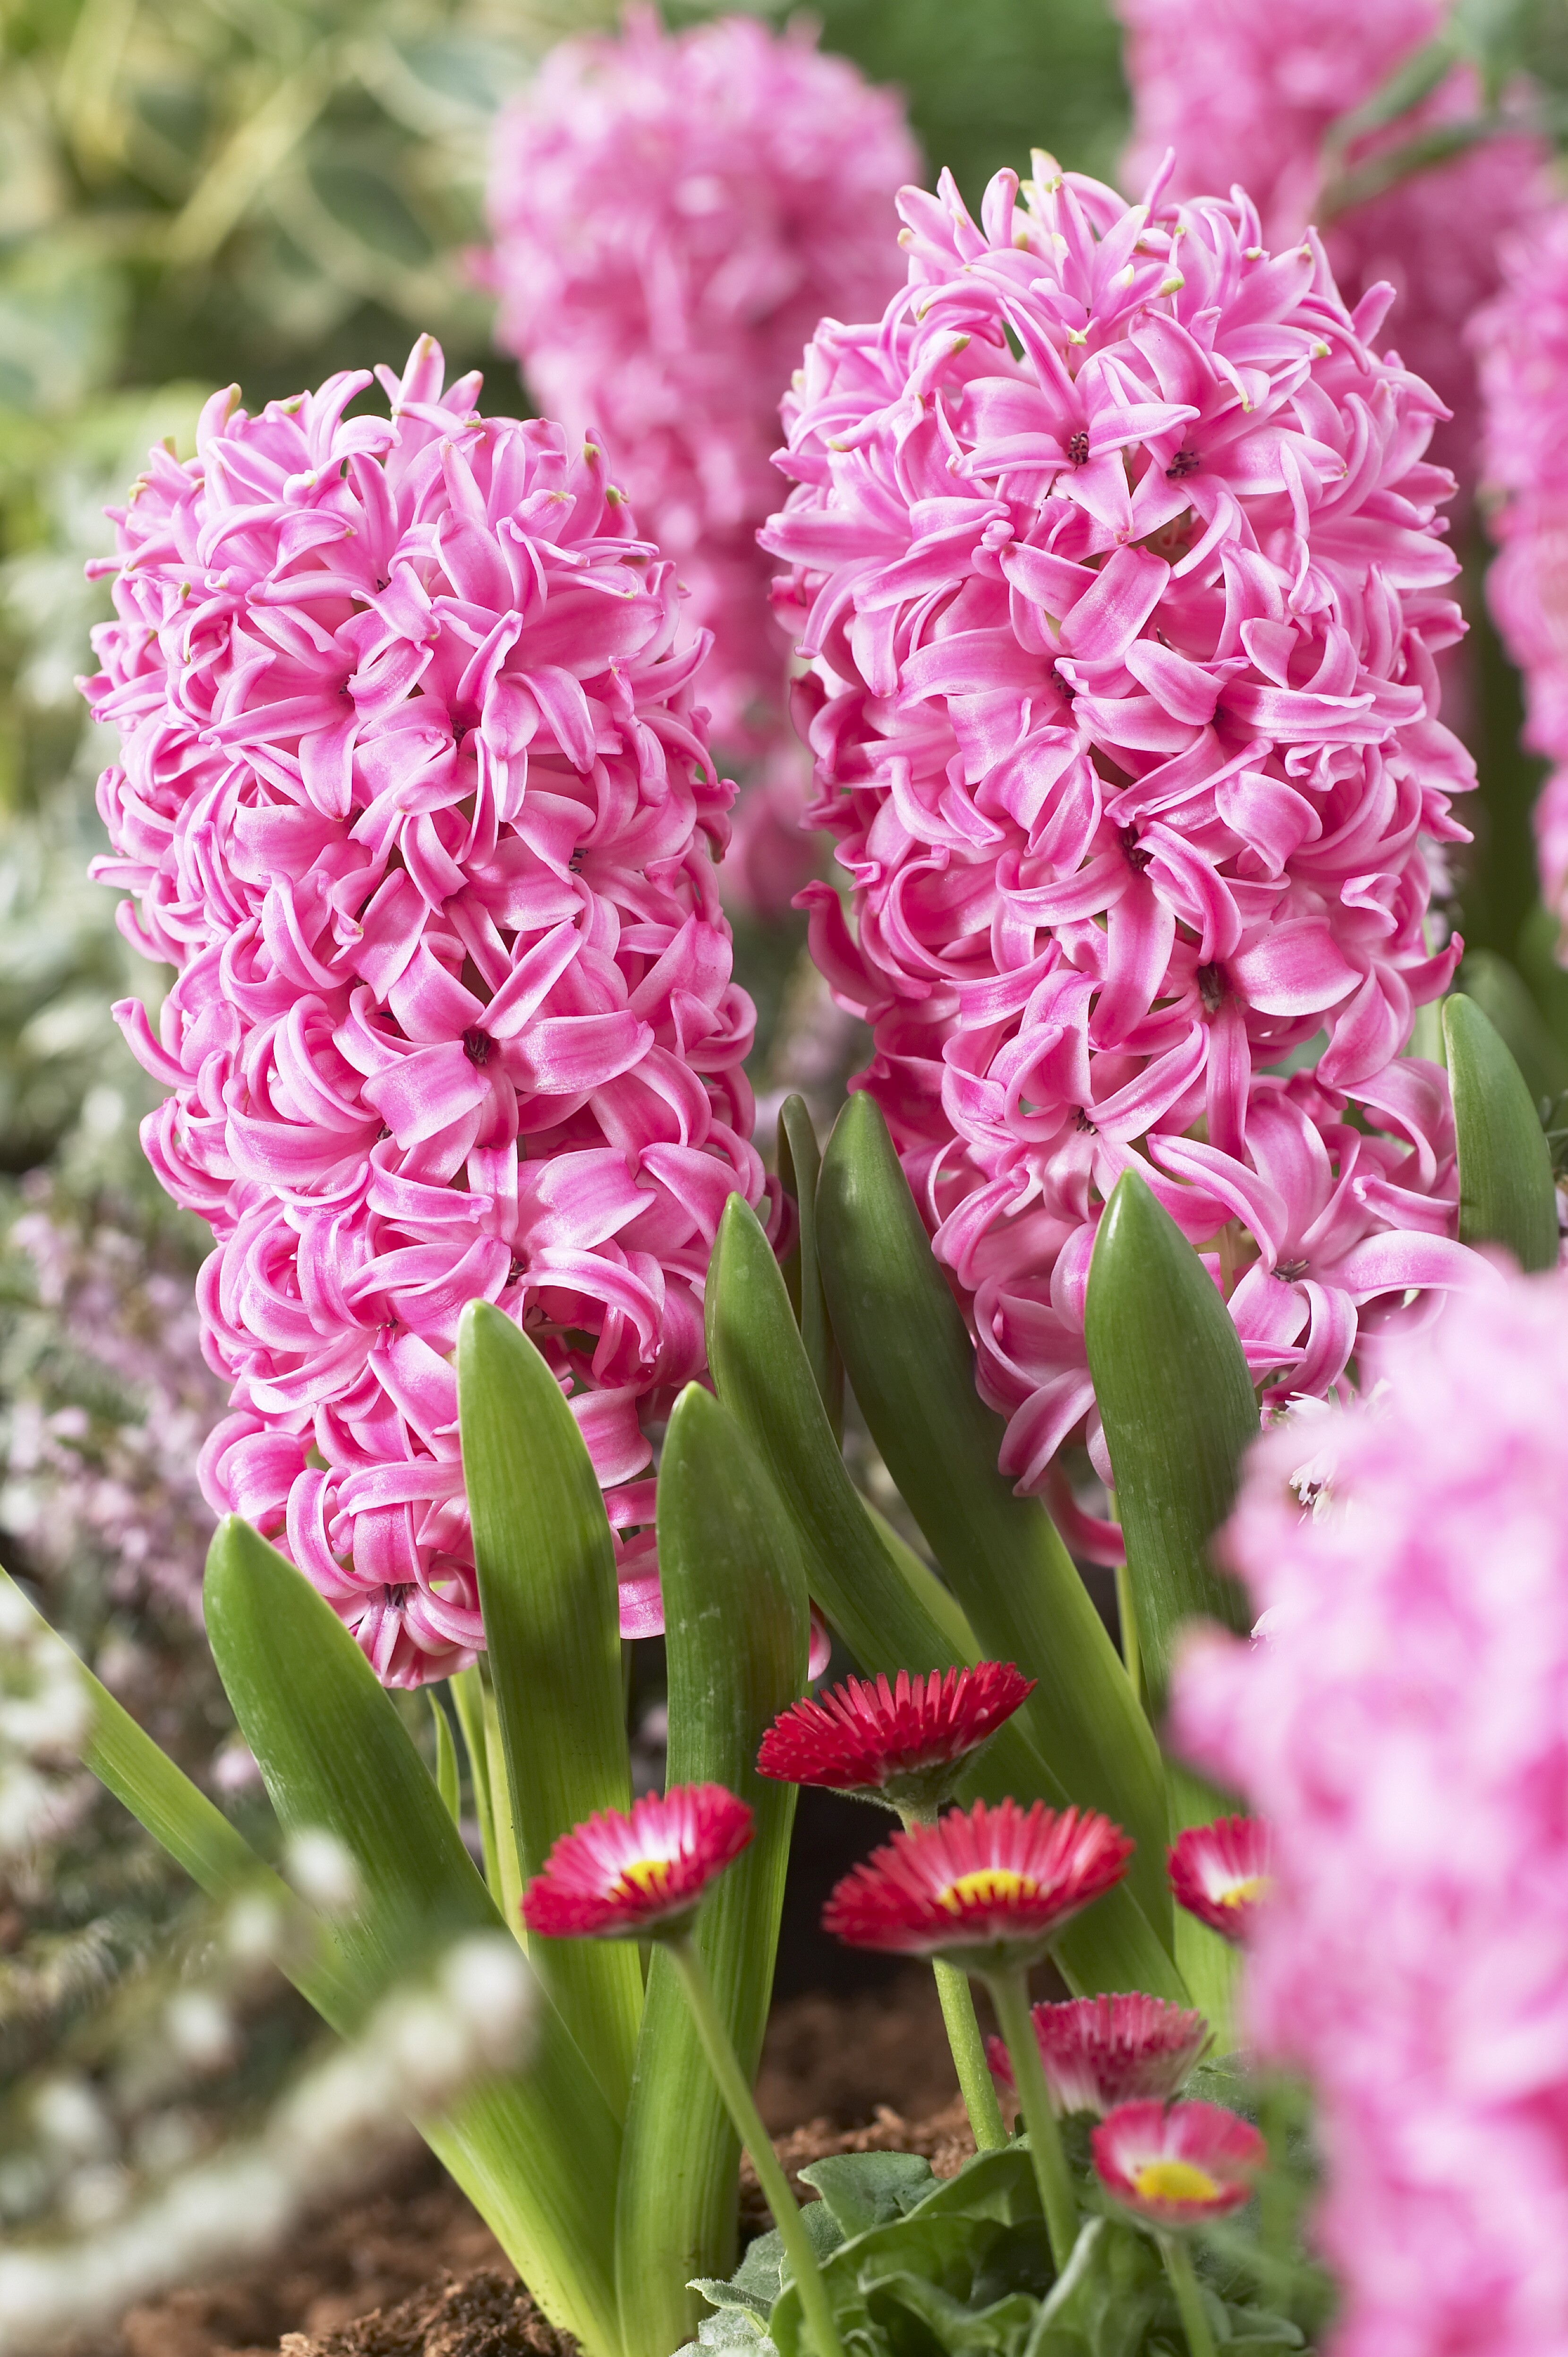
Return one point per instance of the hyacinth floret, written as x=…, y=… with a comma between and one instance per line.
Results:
x=1116, y=560
x=673, y=214
x=1223, y=1873
x=984, y=1887
x=903, y=1743
x=1177, y=2165
x=641, y=1875
x=1402, y=1723
x=414, y=797
x=1099, y=2051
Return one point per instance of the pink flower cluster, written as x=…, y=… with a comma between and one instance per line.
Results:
x=1521, y=342
x=1114, y=554
x=414, y=798
x=673, y=214
x=1403, y=1725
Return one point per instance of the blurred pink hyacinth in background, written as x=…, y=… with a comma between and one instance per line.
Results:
x=673, y=214
x=1241, y=95
x=1521, y=344
x=1116, y=556
x=1401, y=1719
x=414, y=798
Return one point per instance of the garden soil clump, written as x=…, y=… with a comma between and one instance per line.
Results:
x=410, y=2270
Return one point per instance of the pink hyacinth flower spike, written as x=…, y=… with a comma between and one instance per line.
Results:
x=1127, y=821
x=414, y=795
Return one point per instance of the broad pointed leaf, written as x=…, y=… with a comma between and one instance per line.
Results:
x=736, y=1625
x=547, y=1585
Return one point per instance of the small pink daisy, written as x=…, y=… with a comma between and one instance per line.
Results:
x=1099, y=2051
x=1177, y=2165
x=900, y=1743
x=987, y=1887
x=637, y=1877
x=1223, y=1873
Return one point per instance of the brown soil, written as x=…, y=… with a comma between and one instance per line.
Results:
x=410, y=2270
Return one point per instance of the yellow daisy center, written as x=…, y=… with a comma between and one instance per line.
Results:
x=648, y=1876
x=1175, y=2180
x=988, y=1886
x=1241, y=1894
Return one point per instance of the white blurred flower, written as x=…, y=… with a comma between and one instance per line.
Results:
x=322, y=1870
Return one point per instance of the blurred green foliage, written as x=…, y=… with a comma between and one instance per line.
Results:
x=986, y=81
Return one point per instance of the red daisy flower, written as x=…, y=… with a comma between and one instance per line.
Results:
x=1100, y=2051
x=1177, y=2165
x=1223, y=1873
x=629, y=1877
x=1002, y=1879
x=899, y=1743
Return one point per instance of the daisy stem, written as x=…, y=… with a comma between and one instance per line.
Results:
x=1010, y=1995
x=968, y=2056
x=1189, y=2300
x=734, y=2087
x=957, y=2000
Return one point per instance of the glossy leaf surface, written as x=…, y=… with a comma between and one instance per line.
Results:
x=1506, y=1191
x=547, y=1586
x=736, y=1635
x=911, y=1362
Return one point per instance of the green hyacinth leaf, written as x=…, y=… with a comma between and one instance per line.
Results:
x=447, y=1782
x=1507, y=1195
x=889, y=1608
x=1504, y=997
x=535, y=2150
x=799, y=1164
x=736, y=1629
x=195, y=1831
x=547, y=1587
x=910, y=1361
x=1179, y=1410
x=892, y=1614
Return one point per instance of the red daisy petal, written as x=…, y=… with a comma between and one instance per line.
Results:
x=1100, y=2051
x=620, y=1876
x=863, y=1738
x=1223, y=1873
x=1177, y=2165
x=979, y=1879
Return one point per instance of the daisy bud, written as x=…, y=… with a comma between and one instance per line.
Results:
x=641, y=1876
x=1223, y=1873
x=904, y=1744
x=1099, y=2051
x=984, y=1888
x=1180, y=2165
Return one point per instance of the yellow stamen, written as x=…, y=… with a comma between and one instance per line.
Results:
x=988, y=1886
x=1175, y=2180
x=1241, y=1894
x=648, y=1876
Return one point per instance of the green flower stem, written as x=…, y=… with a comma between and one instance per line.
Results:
x=968, y=2056
x=1010, y=1995
x=957, y=2000
x=725, y=2064
x=1189, y=2300
x=1274, y=2192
